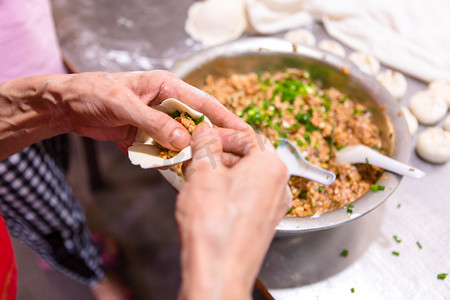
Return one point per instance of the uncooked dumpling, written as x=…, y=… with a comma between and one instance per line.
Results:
x=145, y=152
x=365, y=62
x=394, y=82
x=428, y=107
x=273, y=16
x=411, y=121
x=332, y=47
x=214, y=22
x=433, y=145
x=442, y=88
x=301, y=36
x=447, y=123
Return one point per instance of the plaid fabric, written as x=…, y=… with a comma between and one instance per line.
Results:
x=39, y=209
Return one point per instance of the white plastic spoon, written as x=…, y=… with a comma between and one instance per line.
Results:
x=297, y=165
x=363, y=154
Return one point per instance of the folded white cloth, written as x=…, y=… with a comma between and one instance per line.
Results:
x=408, y=35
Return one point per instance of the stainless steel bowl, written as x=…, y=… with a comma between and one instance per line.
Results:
x=271, y=54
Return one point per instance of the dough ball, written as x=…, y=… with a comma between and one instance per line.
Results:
x=301, y=36
x=447, y=123
x=394, y=82
x=411, y=121
x=433, y=145
x=442, y=88
x=215, y=22
x=428, y=107
x=365, y=62
x=332, y=47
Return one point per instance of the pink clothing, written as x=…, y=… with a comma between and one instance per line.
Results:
x=28, y=46
x=28, y=43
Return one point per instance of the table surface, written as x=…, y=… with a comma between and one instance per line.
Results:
x=113, y=35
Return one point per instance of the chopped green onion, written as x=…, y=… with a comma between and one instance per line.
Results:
x=326, y=103
x=442, y=276
x=331, y=141
x=202, y=117
x=419, y=245
x=303, y=194
x=344, y=253
x=376, y=188
x=377, y=148
x=343, y=99
x=352, y=290
x=357, y=111
x=350, y=208
x=175, y=114
x=301, y=143
x=316, y=145
x=188, y=116
x=296, y=126
x=307, y=137
x=339, y=147
x=320, y=189
x=290, y=210
x=399, y=205
x=367, y=161
x=276, y=144
x=397, y=239
x=395, y=253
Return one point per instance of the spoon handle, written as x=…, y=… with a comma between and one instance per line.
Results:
x=364, y=154
x=393, y=165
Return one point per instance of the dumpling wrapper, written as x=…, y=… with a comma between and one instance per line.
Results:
x=144, y=151
x=214, y=22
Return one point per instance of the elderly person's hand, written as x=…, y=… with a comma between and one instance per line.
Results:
x=101, y=106
x=227, y=212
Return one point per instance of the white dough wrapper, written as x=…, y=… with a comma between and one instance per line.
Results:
x=433, y=145
x=447, y=123
x=394, y=82
x=302, y=36
x=442, y=88
x=215, y=22
x=332, y=47
x=273, y=16
x=145, y=152
x=428, y=107
x=365, y=62
x=411, y=121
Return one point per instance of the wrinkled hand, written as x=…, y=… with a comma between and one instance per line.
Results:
x=107, y=106
x=227, y=214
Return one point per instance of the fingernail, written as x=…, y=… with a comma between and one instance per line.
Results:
x=201, y=130
x=179, y=139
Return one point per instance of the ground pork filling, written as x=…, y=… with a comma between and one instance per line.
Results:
x=188, y=122
x=317, y=121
